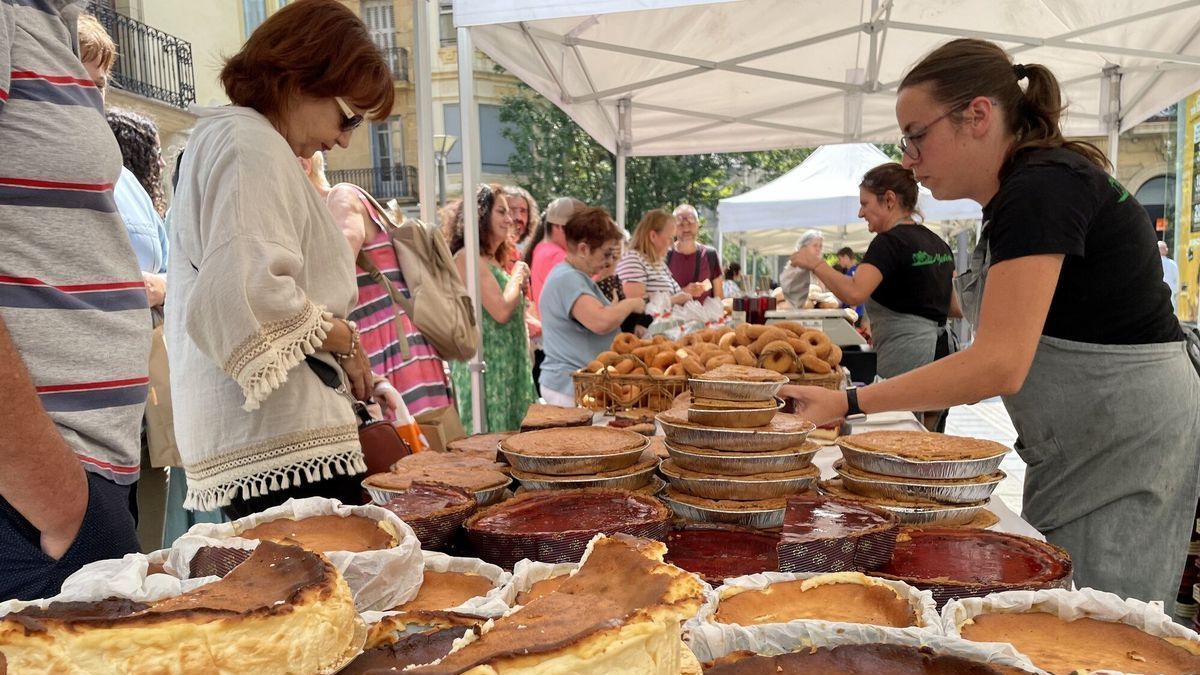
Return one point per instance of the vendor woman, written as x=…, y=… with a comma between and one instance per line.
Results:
x=906, y=278
x=1073, y=322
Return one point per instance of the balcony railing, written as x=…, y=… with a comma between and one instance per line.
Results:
x=397, y=58
x=150, y=63
x=384, y=183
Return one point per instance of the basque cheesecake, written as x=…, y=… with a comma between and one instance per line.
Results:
x=1084, y=644
x=411, y=639
x=325, y=534
x=620, y=613
x=540, y=588
x=876, y=659
x=848, y=597
x=444, y=590
x=284, y=610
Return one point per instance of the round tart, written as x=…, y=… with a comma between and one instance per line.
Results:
x=951, y=562
x=870, y=658
x=734, y=417
x=1084, y=644
x=848, y=597
x=444, y=590
x=763, y=513
x=736, y=373
x=485, y=446
x=574, y=451
x=717, y=552
x=542, y=416
x=727, y=463
x=629, y=478
x=918, y=511
x=481, y=482
x=921, y=454
x=745, y=487
x=823, y=534
x=555, y=526
x=946, y=491
x=324, y=534
x=783, y=431
x=433, y=511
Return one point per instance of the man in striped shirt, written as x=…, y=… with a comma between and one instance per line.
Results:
x=74, y=321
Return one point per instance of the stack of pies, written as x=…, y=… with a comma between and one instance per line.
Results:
x=555, y=526
x=433, y=511
x=542, y=416
x=580, y=457
x=922, y=477
x=907, y=510
x=484, y=446
x=485, y=479
x=965, y=563
x=823, y=534
x=716, y=552
x=620, y=613
x=284, y=610
x=848, y=597
x=852, y=659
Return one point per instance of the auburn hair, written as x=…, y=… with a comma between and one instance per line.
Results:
x=894, y=177
x=592, y=226
x=654, y=220
x=962, y=69
x=317, y=48
x=95, y=44
x=485, y=203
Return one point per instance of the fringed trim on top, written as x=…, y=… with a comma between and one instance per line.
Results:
x=261, y=363
x=346, y=463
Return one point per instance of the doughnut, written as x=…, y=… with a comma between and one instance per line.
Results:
x=767, y=337
x=799, y=345
x=708, y=357
x=705, y=347
x=626, y=366
x=835, y=356
x=663, y=359
x=688, y=340
x=726, y=341
x=660, y=340
x=693, y=366
x=755, y=331
x=594, y=367
x=744, y=357
x=674, y=370
x=625, y=343
x=742, y=335
x=778, y=357
x=720, y=359
x=646, y=353
x=608, y=358
x=814, y=364
x=794, y=327
x=819, y=341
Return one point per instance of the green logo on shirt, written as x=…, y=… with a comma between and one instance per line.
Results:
x=924, y=259
x=1119, y=188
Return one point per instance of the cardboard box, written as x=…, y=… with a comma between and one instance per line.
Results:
x=441, y=426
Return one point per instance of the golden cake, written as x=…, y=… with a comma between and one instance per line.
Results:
x=1084, y=644
x=284, y=610
x=882, y=659
x=542, y=416
x=541, y=588
x=324, y=534
x=845, y=596
x=411, y=639
x=444, y=590
x=735, y=373
x=922, y=446
x=620, y=613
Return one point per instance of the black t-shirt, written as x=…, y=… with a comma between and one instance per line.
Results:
x=917, y=268
x=1111, y=289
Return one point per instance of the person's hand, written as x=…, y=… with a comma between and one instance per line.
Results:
x=520, y=272
x=358, y=373
x=816, y=404
x=388, y=399
x=156, y=288
x=806, y=259
x=694, y=289
x=636, y=305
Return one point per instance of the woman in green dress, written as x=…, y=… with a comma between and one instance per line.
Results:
x=508, y=381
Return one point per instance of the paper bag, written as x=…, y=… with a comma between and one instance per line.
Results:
x=441, y=426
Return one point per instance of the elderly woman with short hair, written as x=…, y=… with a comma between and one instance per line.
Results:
x=794, y=280
x=261, y=279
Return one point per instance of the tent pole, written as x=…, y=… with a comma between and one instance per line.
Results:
x=426, y=197
x=1112, y=112
x=624, y=114
x=470, y=176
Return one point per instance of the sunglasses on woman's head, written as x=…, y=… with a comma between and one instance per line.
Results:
x=353, y=120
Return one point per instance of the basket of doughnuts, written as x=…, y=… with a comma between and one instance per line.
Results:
x=617, y=381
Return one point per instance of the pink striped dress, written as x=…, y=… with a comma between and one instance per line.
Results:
x=421, y=380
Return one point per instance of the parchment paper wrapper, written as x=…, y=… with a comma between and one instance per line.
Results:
x=922, y=602
x=708, y=642
x=526, y=573
x=379, y=579
x=490, y=605
x=1068, y=606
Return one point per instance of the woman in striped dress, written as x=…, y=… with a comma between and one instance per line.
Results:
x=643, y=270
x=421, y=378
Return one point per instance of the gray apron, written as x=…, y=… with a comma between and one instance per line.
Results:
x=903, y=342
x=1111, y=438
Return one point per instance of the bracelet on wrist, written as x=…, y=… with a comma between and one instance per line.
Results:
x=354, y=343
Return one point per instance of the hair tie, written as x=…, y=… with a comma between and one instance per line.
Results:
x=1020, y=71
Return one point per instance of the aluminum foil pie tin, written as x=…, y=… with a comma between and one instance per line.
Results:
x=734, y=440
x=937, y=490
x=567, y=547
x=575, y=465
x=485, y=497
x=630, y=481
x=743, y=418
x=933, y=515
x=734, y=390
x=863, y=553
x=733, y=487
x=760, y=519
x=743, y=463
x=892, y=465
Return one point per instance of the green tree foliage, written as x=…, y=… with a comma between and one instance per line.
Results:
x=554, y=157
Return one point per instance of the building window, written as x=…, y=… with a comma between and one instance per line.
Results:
x=448, y=36
x=254, y=12
x=494, y=148
x=1157, y=196
x=387, y=149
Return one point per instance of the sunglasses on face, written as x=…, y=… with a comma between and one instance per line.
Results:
x=353, y=120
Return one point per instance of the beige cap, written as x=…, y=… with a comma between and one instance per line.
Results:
x=560, y=210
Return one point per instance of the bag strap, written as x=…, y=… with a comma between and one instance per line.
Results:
x=399, y=302
x=328, y=376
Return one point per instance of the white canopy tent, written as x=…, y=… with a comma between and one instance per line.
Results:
x=822, y=193
x=662, y=77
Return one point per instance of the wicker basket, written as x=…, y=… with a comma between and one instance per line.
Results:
x=833, y=380
x=613, y=392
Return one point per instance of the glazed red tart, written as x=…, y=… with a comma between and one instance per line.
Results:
x=823, y=534
x=717, y=552
x=555, y=526
x=966, y=563
x=877, y=659
x=433, y=511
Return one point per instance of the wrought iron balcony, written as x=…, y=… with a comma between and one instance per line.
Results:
x=397, y=58
x=384, y=183
x=150, y=63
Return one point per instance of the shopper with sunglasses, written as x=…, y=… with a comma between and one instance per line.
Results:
x=260, y=277
x=1073, y=322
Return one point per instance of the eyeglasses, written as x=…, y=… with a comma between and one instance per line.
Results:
x=353, y=120
x=910, y=143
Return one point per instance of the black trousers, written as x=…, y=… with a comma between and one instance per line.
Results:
x=347, y=489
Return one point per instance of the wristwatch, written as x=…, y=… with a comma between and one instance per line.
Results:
x=853, y=412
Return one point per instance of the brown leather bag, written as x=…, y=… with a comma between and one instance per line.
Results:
x=381, y=444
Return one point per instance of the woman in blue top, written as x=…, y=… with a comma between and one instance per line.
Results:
x=578, y=321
